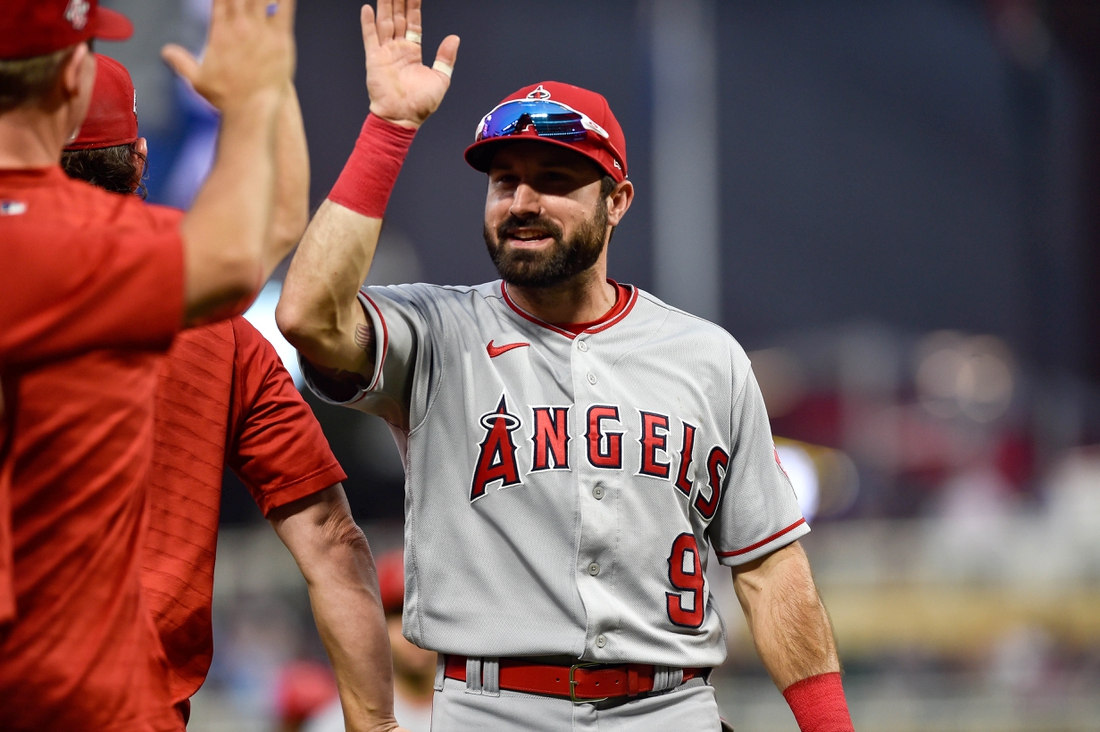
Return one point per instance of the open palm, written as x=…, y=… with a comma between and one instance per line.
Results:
x=402, y=89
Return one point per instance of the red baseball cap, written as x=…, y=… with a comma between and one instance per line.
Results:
x=38, y=27
x=112, y=116
x=391, y=580
x=595, y=133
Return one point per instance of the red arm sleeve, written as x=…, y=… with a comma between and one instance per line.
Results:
x=276, y=446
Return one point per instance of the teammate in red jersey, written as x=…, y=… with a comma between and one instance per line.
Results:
x=224, y=398
x=94, y=288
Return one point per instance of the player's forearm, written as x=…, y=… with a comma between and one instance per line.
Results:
x=352, y=626
x=335, y=560
x=226, y=230
x=291, y=182
x=794, y=637
x=789, y=624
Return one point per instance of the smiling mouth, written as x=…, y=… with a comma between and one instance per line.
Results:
x=522, y=239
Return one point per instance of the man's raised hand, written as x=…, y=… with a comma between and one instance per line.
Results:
x=250, y=50
x=402, y=89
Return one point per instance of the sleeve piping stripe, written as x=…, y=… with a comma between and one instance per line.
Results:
x=385, y=342
x=762, y=542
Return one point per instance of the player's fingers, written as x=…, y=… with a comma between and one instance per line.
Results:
x=234, y=8
x=285, y=12
x=448, y=50
x=218, y=10
x=412, y=16
x=370, y=28
x=399, y=24
x=446, y=55
x=384, y=23
x=182, y=62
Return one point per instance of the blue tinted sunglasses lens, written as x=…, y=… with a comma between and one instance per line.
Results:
x=548, y=119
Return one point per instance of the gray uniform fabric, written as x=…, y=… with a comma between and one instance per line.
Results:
x=562, y=492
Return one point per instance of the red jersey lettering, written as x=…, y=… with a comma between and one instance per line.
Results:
x=685, y=573
x=654, y=437
x=551, y=438
x=604, y=454
x=718, y=460
x=682, y=481
x=497, y=459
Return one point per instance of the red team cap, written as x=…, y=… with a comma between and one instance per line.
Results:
x=556, y=113
x=112, y=116
x=391, y=580
x=39, y=27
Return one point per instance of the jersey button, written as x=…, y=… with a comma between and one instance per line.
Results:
x=597, y=493
x=601, y=641
x=582, y=347
x=593, y=569
x=591, y=378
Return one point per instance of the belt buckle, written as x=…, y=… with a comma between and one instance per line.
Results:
x=573, y=684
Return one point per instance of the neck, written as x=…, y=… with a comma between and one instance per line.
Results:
x=584, y=298
x=31, y=138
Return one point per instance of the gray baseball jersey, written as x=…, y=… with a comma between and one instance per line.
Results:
x=563, y=491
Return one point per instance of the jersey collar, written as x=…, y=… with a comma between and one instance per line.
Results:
x=596, y=327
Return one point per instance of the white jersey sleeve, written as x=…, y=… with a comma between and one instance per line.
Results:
x=759, y=512
x=402, y=350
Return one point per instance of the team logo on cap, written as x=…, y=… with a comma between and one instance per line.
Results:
x=77, y=13
x=538, y=93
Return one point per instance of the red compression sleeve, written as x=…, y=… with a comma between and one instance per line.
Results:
x=371, y=171
x=818, y=704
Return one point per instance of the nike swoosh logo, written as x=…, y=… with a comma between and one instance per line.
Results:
x=495, y=351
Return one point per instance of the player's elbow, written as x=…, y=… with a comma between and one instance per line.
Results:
x=221, y=291
x=343, y=534
x=298, y=326
x=340, y=548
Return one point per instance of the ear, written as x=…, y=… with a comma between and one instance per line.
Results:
x=618, y=202
x=139, y=156
x=78, y=74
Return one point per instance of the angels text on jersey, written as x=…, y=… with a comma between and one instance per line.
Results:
x=546, y=435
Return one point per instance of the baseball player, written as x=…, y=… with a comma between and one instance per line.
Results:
x=224, y=398
x=574, y=447
x=413, y=667
x=94, y=288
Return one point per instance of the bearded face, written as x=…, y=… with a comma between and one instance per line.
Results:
x=545, y=266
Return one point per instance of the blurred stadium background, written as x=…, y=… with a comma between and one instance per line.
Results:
x=895, y=207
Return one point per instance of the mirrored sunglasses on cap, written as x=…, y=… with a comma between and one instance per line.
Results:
x=547, y=118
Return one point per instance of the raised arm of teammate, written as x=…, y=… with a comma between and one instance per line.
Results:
x=793, y=635
x=318, y=311
x=291, y=213
x=336, y=561
x=245, y=73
